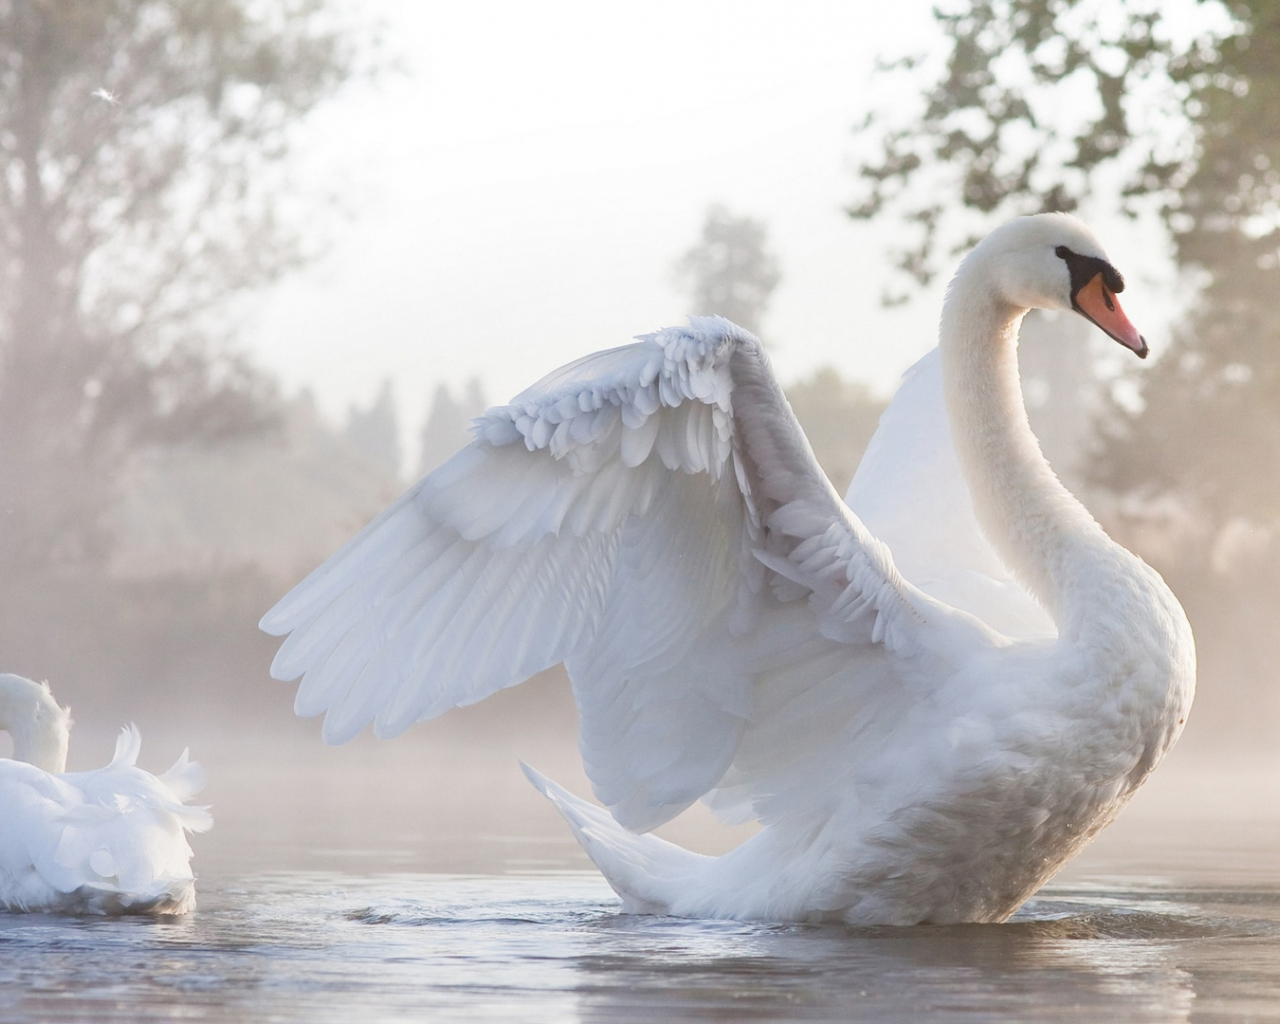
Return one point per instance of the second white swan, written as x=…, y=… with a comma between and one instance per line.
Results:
x=108, y=841
x=930, y=696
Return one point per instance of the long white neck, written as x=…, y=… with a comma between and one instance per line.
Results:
x=1038, y=527
x=38, y=725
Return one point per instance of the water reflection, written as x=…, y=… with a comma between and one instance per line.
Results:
x=324, y=896
x=326, y=946
x=1090, y=959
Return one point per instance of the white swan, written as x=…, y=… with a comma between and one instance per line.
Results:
x=929, y=705
x=110, y=841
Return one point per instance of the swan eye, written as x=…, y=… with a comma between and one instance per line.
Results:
x=1084, y=269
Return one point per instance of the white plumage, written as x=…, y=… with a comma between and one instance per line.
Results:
x=109, y=841
x=930, y=697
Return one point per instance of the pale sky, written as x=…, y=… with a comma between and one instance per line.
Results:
x=521, y=194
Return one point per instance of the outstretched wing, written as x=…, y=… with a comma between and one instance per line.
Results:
x=653, y=517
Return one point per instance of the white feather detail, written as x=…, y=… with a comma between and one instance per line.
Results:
x=913, y=733
x=635, y=514
x=109, y=841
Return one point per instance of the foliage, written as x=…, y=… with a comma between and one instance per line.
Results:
x=145, y=146
x=730, y=272
x=1146, y=107
x=1224, y=362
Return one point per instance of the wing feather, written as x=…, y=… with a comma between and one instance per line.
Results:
x=653, y=517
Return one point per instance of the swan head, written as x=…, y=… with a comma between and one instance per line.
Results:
x=39, y=725
x=1052, y=261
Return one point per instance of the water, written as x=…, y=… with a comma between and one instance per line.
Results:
x=403, y=881
x=335, y=947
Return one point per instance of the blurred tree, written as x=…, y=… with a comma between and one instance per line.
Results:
x=1169, y=110
x=838, y=416
x=730, y=271
x=448, y=424
x=145, y=183
x=375, y=431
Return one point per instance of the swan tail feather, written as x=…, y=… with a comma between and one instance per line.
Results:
x=645, y=871
x=186, y=777
x=128, y=746
x=181, y=782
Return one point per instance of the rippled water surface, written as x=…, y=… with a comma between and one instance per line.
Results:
x=420, y=882
x=323, y=946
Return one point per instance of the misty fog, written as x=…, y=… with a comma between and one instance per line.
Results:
x=254, y=283
x=143, y=548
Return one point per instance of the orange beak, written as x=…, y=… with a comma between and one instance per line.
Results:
x=1099, y=303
